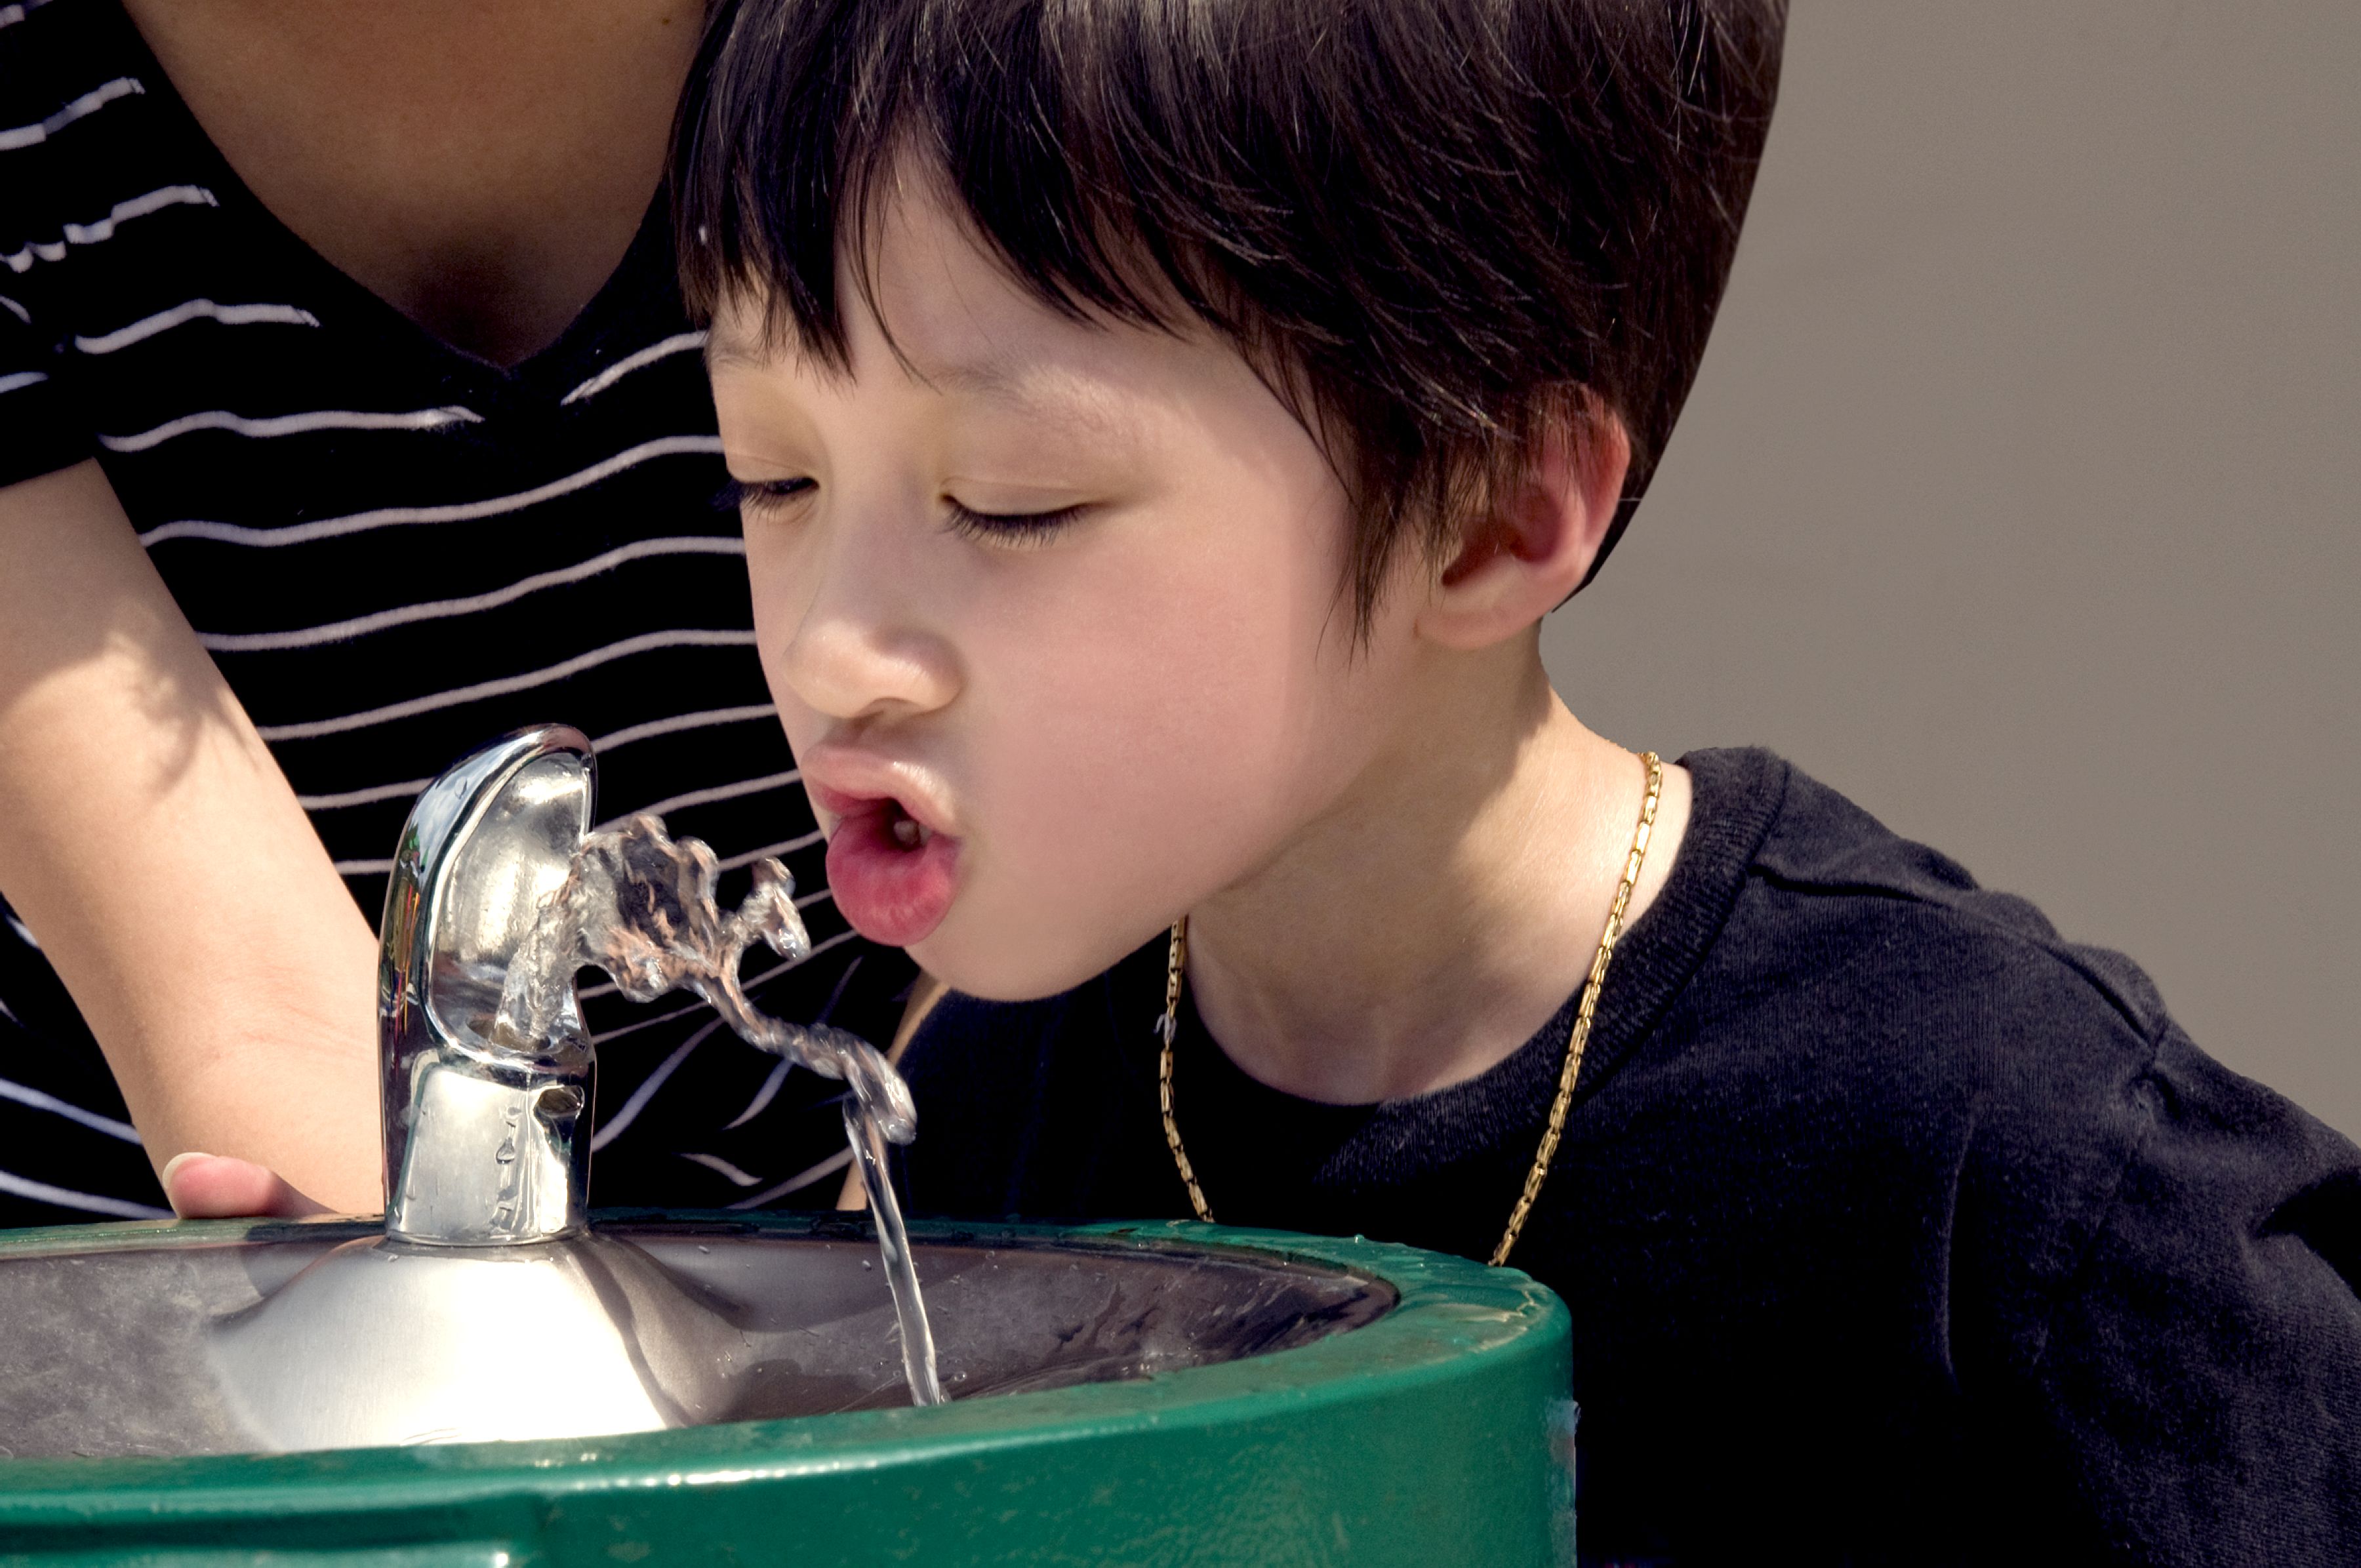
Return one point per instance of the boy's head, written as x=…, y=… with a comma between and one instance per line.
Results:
x=1089, y=355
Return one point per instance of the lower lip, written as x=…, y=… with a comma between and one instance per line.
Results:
x=892, y=893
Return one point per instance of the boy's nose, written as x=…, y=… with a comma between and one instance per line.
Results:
x=861, y=648
x=848, y=669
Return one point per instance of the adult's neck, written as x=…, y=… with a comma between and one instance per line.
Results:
x=480, y=165
x=1444, y=909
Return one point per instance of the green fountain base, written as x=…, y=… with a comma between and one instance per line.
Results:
x=1435, y=1431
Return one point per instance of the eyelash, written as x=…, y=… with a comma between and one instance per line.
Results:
x=1008, y=528
x=1002, y=528
x=759, y=495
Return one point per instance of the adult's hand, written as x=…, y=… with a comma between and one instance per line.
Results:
x=153, y=847
x=212, y=1187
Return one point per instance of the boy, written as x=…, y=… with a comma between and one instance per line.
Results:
x=1162, y=428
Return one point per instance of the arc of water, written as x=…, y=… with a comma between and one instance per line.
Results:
x=640, y=906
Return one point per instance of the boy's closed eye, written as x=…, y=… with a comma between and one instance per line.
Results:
x=1006, y=529
x=758, y=496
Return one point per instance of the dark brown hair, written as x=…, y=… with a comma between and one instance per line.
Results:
x=1446, y=222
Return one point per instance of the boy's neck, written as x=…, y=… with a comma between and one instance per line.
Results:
x=1443, y=910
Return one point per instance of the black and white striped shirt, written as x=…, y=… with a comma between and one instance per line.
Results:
x=395, y=551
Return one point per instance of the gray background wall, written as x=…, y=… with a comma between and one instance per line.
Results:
x=2020, y=494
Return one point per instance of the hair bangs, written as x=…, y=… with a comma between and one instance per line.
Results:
x=1440, y=229
x=783, y=176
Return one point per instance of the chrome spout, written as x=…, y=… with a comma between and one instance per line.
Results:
x=501, y=893
x=487, y=1142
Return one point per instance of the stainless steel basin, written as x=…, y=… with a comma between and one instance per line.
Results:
x=290, y=1337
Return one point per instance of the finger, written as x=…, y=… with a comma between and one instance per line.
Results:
x=216, y=1187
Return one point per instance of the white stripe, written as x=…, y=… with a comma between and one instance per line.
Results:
x=764, y=1095
x=774, y=972
x=409, y=787
x=708, y=797
x=678, y=722
x=12, y=15
x=790, y=847
x=361, y=626
x=88, y=1202
x=587, y=992
x=155, y=200
x=104, y=229
x=195, y=310
x=97, y=98
x=631, y=362
x=21, y=379
x=402, y=791
x=291, y=425
x=715, y=1162
x=834, y=1162
x=39, y=1100
x=14, y=308
x=647, y=1088
x=462, y=512
x=313, y=729
x=23, y=935
x=364, y=867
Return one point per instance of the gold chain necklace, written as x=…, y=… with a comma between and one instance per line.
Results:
x=1177, y=963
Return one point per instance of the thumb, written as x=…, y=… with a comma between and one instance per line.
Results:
x=216, y=1187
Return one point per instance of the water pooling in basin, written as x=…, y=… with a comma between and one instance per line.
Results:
x=640, y=906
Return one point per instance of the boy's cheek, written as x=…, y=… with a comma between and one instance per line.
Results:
x=1055, y=883
x=800, y=725
x=1087, y=846
x=771, y=630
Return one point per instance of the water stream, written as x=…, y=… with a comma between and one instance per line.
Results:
x=639, y=907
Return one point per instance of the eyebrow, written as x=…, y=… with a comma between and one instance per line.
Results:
x=991, y=378
x=1054, y=403
x=987, y=378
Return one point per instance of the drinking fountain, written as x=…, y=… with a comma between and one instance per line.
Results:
x=494, y=1374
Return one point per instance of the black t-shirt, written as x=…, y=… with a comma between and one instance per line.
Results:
x=1893, y=1226
x=395, y=551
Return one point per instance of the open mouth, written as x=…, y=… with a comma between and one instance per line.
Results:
x=894, y=875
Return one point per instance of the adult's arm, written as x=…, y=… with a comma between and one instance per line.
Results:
x=156, y=851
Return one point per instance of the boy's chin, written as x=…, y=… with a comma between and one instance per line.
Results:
x=994, y=971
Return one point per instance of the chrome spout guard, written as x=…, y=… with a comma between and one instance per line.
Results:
x=484, y=1145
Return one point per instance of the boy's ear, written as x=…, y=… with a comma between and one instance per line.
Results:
x=1522, y=559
